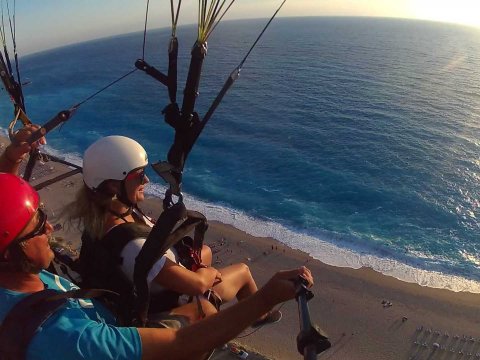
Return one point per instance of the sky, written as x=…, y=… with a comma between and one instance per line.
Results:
x=44, y=24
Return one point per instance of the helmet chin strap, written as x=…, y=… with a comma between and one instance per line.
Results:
x=123, y=198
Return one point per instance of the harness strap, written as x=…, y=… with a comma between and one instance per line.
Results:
x=29, y=314
x=161, y=238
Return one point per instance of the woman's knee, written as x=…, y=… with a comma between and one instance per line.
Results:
x=244, y=269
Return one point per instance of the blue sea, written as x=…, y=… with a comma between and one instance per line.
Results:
x=356, y=140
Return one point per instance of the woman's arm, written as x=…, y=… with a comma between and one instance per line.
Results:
x=177, y=278
x=169, y=274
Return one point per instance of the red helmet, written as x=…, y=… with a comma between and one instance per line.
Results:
x=18, y=203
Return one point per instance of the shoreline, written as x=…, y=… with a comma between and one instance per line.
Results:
x=350, y=305
x=345, y=255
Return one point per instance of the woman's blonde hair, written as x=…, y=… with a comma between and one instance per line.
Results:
x=87, y=212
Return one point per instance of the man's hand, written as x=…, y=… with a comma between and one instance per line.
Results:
x=281, y=287
x=17, y=150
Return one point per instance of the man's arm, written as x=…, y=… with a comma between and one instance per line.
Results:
x=197, y=339
x=12, y=157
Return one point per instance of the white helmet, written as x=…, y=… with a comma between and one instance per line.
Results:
x=112, y=157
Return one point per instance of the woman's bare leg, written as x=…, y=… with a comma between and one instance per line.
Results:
x=237, y=281
x=207, y=255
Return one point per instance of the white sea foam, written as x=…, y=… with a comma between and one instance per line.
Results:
x=74, y=158
x=326, y=250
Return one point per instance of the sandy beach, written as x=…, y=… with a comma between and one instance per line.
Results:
x=366, y=315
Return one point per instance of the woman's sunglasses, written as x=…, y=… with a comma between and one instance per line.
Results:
x=40, y=229
x=137, y=175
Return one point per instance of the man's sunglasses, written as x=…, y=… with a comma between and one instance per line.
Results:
x=40, y=229
x=136, y=174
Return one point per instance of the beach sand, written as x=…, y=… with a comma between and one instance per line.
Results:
x=366, y=315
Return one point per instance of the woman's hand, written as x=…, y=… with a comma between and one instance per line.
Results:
x=218, y=275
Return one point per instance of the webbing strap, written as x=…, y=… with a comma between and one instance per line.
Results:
x=161, y=238
x=29, y=314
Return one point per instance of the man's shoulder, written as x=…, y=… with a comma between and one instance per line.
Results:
x=53, y=281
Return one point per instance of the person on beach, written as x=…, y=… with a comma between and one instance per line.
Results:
x=114, y=182
x=84, y=328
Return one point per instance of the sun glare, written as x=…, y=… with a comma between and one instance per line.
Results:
x=460, y=11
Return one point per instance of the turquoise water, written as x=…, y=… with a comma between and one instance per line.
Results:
x=354, y=139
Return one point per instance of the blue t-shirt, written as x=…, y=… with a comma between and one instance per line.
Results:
x=84, y=329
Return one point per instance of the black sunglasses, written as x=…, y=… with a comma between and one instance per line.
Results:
x=40, y=229
x=135, y=174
